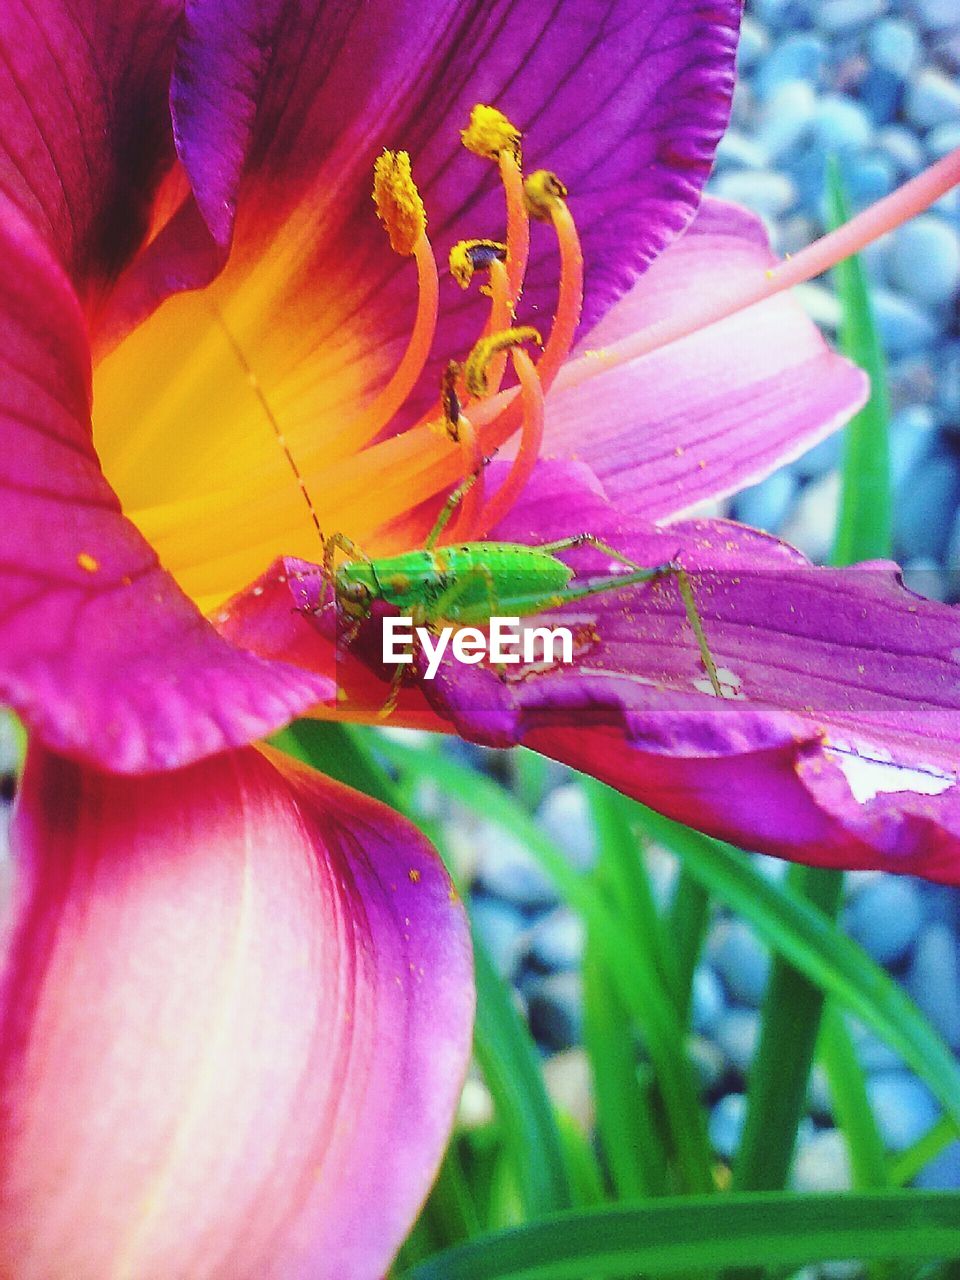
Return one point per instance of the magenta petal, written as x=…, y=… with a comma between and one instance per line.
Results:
x=85, y=123
x=235, y=1017
x=838, y=738
x=627, y=104
x=99, y=649
x=720, y=409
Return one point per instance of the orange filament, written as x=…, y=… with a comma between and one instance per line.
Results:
x=518, y=224
x=465, y=524
x=890, y=212
x=501, y=317
x=531, y=439
x=393, y=396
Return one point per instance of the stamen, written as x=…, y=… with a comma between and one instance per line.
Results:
x=468, y=256
x=890, y=212
x=489, y=133
x=398, y=202
x=475, y=369
x=518, y=224
x=460, y=430
x=531, y=439
x=542, y=192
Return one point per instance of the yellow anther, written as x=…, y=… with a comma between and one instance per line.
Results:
x=490, y=132
x=542, y=193
x=475, y=369
x=468, y=256
x=398, y=202
x=450, y=400
x=87, y=562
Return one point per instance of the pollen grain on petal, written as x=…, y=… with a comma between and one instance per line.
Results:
x=88, y=562
x=399, y=206
x=542, y=193
x=475, y=368
x=489, y=133
x=468, y=256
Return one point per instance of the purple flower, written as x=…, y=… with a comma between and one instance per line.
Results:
x=233, y=991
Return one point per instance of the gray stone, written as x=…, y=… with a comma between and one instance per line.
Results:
x=708, y=1062
x=925, y=259
x=885, y=918
x=565, y=817
x=903, y=326
x=823, y=457
x=737, y=1033
x=873, y=1054
x=948, y=387
x=725, y=1126
x=555, y=1010
x=942, y=140
x=822, y=1163
x=741, y=959
x=841, y=125
x=894, y=45
x=839, y=16
x=707, y=1003
x=786, y=118
x=736, y=151
x=801, y=56
x=903, y=147
x=814, y=517
x=913, y=433
x=934, y=980
x=871, y=178
x=556, y=940
x=754, y=45
x=765, y=505
x=943, y=1171
x=904, y=1108
x=507, y=869
x=936, y=15
x=500, y=928
x=932, y=98
x=925, y=511
x=762, y=190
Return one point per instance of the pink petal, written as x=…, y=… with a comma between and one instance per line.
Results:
x=85, y=123
x=628, y=104
x=836, y=742
x=718, y=410
x=99, y=649
x=236, y=1018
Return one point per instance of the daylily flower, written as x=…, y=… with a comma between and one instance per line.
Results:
x=236, y=1001
x=236, y=997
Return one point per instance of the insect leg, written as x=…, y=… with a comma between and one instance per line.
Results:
x=448, y=508
x=588, y=540
x=671, y=569
x=340, y=542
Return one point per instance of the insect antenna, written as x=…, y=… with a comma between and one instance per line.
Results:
x=254, y=384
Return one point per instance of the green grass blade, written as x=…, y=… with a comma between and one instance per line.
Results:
x=639, y=986
x=851, y=1104
x=805, y=937
x=908, y=1163
x=677, y=1237
x=687, y=921
x=626, y=1124
x=511, y=1068
x=864, y=524
x=779, y=1076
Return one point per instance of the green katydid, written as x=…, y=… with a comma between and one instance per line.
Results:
x=466, y=584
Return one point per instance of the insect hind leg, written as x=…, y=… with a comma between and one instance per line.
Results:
x=640, y=573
